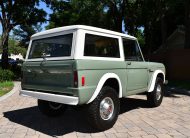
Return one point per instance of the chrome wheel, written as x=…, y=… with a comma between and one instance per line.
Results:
x=158, y=92
x=55, y=106
x=106, y=108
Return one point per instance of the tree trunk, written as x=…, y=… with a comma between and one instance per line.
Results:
x=163, y=30
x=118, y=24
x=148, y=39
x=187, y=24
x=4, y=44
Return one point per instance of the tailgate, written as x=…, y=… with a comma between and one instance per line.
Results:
x=48, y=76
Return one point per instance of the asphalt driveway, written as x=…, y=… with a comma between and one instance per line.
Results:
x=20, y=117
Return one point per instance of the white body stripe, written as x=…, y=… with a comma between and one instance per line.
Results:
x=153, y=80
x=101, y=83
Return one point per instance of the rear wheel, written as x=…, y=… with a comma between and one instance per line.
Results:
x=104, y=110
x=155, y=98
x=51, y=109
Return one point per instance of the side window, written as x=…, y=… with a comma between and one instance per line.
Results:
x=131, y=50
x=101, y=46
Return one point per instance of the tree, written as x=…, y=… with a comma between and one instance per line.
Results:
x=86, y=12
x=187, y=24
x=132, y=17
x=115, y=13
x=14, y=47
x=17, y=12
x=108, y=14
x=160, y=18
x=140, y=36
x=24, y=32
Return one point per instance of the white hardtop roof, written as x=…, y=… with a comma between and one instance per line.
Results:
x=84, y=27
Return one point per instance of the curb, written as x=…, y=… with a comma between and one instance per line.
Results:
x=15, y=89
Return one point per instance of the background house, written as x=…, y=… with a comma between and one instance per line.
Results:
x=175, y=57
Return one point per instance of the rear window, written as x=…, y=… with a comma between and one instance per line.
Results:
x=58, y=46
x=101, y=46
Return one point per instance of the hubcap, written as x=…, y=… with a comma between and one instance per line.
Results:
x=158, y=92
x=106, y=108
x=55, y=106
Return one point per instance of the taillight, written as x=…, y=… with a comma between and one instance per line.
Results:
x=83, y=80
x=75, y=79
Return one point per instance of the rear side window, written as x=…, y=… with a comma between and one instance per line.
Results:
x=58, y=46
x=101, y=46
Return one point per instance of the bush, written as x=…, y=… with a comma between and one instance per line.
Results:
x=6, y=75
x=16, y=69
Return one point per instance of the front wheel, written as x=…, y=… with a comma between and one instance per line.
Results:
x=51, y=109
x=155, y=97
x=104, y=110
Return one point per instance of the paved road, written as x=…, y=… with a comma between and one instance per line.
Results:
x=20, y=117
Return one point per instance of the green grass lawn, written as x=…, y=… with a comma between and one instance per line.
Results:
x=180, y=84
x=5, y=87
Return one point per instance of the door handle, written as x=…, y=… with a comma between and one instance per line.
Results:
x=128, y=63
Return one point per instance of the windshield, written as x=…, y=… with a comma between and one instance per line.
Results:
x=57, y=46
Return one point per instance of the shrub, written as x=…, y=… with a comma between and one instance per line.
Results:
x=16, y=69
x=6, y=75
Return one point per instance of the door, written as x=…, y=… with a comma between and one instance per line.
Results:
x=137, y=68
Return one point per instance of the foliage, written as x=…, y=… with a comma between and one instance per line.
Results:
x=6, y=75
x=16, y=69
x=24, y=32
x=104, y=13
x=140, y=36
x=76, y=12
x=14, y=47
x=5, y=87
x=14, y=13
x=159, y=18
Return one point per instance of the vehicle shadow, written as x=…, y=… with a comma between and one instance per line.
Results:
x=72, y=120
x=128, y=104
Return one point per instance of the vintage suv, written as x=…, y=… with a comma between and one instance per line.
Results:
x=83, y=65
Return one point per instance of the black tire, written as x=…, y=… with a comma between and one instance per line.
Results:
x=153, y=99
x=94, y=115
x=51, y=109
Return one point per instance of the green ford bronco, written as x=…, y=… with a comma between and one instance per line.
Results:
x=82, y=65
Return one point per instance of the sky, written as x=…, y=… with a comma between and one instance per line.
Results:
x=42, y=5
x=48, y=10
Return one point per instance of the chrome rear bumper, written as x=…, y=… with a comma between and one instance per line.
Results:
x=70, y=100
